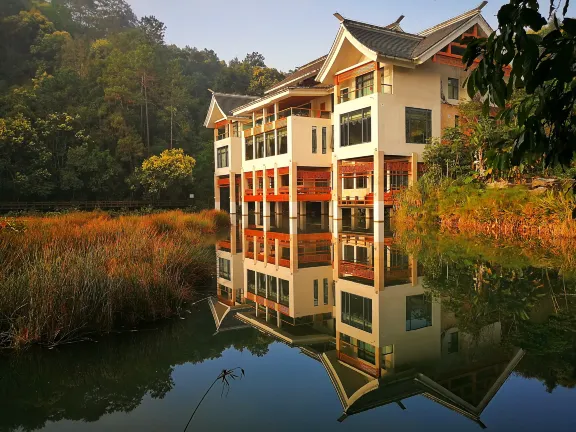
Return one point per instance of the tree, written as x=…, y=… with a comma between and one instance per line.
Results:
x=170, y=173
x=544, y=66
x=153, y=29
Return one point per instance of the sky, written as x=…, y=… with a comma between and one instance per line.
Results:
x=290, y=33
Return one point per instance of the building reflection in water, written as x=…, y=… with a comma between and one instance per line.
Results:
x=348, y=297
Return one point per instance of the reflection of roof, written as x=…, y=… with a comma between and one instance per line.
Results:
x=224, y=316
x=309, y=70
x=228, y=102
x=359, y=392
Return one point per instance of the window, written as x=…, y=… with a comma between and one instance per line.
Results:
x=251, y=281
x=418, y=125
x=282, y=141
x=261, y=284
x=324, y=143
x=348, y=253
x=366, y=352
x=284, y=287
x=365, y=84
x=418, y=312
x=325, y=291
x=236, y=129
x=314, y=140
x=361, y=182
x=348, y=183
x=344, y=95
x=222, y=157
x=270, y=144
x=453, y=88
x=357, y=311
x=356, y=127
x=222, y=133
x=224, y=268
x=259, y=139
x=272, y=289
x=249, y=149
x=315, y=292
x=453, y=343
x=456, y=120
x=387, y=79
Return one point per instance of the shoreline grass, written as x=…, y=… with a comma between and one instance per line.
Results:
x=514, y=213
x=65, y=276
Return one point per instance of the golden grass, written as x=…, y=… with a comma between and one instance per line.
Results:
x=63, y=276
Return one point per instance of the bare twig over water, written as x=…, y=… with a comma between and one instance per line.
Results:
x=224, y=377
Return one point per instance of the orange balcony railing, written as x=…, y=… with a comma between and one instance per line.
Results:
x=360, y=270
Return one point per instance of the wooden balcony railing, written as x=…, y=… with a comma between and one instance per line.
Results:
x=360, y=270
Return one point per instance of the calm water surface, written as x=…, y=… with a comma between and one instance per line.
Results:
x=411, y=336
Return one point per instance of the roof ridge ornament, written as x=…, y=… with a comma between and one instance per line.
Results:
x=339, y=17
x=468, y=14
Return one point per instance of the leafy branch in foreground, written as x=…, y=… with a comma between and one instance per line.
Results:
x=223, y=377
x=541, y=57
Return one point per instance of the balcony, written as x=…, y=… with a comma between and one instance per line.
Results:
x=361, y=271
x=278, y=120
x=311, y=186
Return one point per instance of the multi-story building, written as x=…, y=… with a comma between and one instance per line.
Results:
x=309, y=172
x=345, y=132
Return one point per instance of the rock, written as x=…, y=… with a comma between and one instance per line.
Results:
x=543, y=182
x=539, y=190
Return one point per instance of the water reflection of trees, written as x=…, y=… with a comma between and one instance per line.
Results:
x=535, y=306
x=84, y=382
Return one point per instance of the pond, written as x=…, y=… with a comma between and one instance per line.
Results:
x=363, y=328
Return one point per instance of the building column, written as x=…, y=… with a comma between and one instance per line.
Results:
x=413, y=270
x=232, y=192
x=242, y=189
x=413, y=169
x=293, y=195
x=265, y=203
x=277, y=258
x=379, y=167
x=216, y=194
x=278, y=319
x=377, y=79
x=336, y=190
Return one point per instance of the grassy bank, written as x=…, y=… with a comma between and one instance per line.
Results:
x=475, y=209
x=64, y=276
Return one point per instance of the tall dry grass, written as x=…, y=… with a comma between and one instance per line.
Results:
x=62, y=277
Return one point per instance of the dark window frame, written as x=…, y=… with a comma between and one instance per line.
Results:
x=415, y=116
x=365, y=126
x=453, y=88
x=222, y=157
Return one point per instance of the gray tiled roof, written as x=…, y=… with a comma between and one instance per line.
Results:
x=309, y=70
x=228, y=102
x=387, y=42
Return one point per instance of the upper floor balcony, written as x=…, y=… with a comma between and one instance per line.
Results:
x=299, y=135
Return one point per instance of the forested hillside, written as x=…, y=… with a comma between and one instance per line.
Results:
x=88, y=91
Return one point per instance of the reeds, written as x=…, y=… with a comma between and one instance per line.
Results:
x=65, y=276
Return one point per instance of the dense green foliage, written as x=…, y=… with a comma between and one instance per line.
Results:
x=542, y=56
x=88, y=91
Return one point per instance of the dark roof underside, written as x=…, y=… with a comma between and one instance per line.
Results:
x=435, y=37
x=228, y=102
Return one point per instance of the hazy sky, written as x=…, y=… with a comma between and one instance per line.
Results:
x=290, y=33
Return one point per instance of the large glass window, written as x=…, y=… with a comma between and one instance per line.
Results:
x=357, y=311
x=356, y=127
x=282, y=141
x=259, y=140
x=325, y=287
x=261, y=284
x=249, y=148
x=270, y=144
x=366, y=352
x=222, y=157
x=315, y=292
x=251, y=281
x=453, y=88
x=365, y=84
x=272, y=289
x=418, y=312
x=418, y=125
x=314, y=140
x=284, y=287
x=224, y=268
x=324, y=143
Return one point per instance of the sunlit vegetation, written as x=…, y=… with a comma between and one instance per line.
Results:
x=64, y=276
